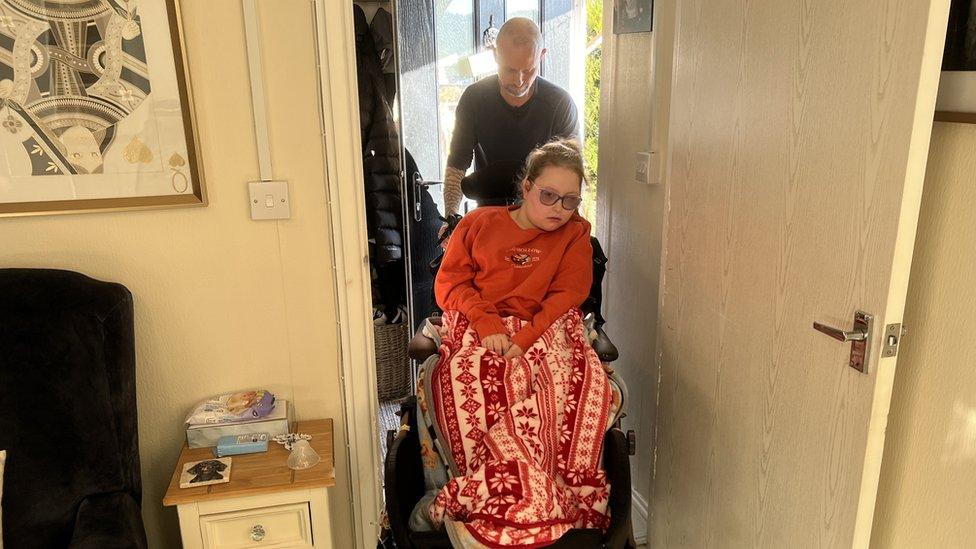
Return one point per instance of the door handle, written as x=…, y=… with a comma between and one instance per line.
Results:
x=859, y=338
x=418, y=185
x=840, y=335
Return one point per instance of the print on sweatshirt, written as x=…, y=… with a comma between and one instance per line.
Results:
x=522, y=258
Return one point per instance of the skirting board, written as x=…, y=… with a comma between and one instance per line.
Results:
x=639, y=516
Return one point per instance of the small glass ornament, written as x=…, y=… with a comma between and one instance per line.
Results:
x=302, y=455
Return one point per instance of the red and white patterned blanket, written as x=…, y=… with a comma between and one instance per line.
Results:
x=525, y=435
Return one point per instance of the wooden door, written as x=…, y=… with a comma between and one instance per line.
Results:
x=798, y=139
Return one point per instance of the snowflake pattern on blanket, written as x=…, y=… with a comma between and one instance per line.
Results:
x=525, y=435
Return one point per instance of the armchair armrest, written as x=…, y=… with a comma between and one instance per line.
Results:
x=109, y=521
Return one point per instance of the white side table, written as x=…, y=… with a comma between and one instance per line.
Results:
x=265, y=504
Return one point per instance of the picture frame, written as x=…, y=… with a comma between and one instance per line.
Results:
x=633, y=16
x=96, y=108
x=956, y=99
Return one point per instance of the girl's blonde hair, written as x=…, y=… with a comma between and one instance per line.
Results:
x=565, y=153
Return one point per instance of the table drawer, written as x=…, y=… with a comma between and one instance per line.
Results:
x=279, y=526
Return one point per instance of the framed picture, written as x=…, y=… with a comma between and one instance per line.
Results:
x=956, y=101
x=633, y=16
x=96, y=109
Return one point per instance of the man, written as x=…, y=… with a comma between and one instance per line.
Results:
x=504, y=117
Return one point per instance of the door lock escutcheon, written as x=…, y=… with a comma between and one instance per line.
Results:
x=419, y=185
x=859, y=338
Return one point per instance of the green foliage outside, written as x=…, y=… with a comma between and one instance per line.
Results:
x=591, y=104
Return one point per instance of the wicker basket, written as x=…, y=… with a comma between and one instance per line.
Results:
x=392, y=362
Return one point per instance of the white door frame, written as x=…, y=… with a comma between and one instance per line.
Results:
x=339, y=109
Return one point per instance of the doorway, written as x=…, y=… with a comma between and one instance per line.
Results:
x=425, y=54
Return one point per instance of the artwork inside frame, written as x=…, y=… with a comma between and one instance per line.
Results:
x=956, y=101
x=96, y=108
x=630, y=16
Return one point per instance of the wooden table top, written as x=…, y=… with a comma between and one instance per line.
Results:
x=263, y=473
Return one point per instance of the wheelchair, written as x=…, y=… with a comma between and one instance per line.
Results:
x=403, y=470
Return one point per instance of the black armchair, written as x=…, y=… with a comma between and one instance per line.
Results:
x=68, y=412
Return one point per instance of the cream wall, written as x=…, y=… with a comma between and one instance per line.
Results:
x=630, y=216
x=927, y=494
x=221, y=302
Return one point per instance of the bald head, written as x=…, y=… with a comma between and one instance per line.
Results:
x=520, y=32
x=519, y=53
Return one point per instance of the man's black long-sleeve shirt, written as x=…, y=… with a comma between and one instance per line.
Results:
x=489, y=130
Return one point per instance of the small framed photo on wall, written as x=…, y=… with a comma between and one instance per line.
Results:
x=96, y=110
x=631, y=16
x=956, y=101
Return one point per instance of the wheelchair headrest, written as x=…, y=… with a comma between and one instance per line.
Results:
x=497, y=182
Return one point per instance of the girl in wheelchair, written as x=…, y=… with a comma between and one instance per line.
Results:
x=532, y=261
x=517, y=401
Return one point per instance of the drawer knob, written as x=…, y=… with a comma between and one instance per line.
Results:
x=257, y=532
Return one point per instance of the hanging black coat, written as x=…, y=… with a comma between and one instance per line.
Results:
x=381, y=151
x=381, y=28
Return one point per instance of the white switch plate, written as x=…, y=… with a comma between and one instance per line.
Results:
x=646, y=168
x=269, y=200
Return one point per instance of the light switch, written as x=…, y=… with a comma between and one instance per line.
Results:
x=269, y=200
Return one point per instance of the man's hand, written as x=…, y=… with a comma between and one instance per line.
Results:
x=513, y=352
x=497, y=343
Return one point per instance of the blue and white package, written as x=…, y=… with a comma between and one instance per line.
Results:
x=233, y=445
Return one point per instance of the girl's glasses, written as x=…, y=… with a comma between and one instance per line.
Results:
x=569, y=202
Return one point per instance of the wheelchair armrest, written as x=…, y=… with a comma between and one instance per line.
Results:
x=605, y=349
x=422, y=347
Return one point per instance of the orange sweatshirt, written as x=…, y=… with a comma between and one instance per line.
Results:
x=493, y=268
